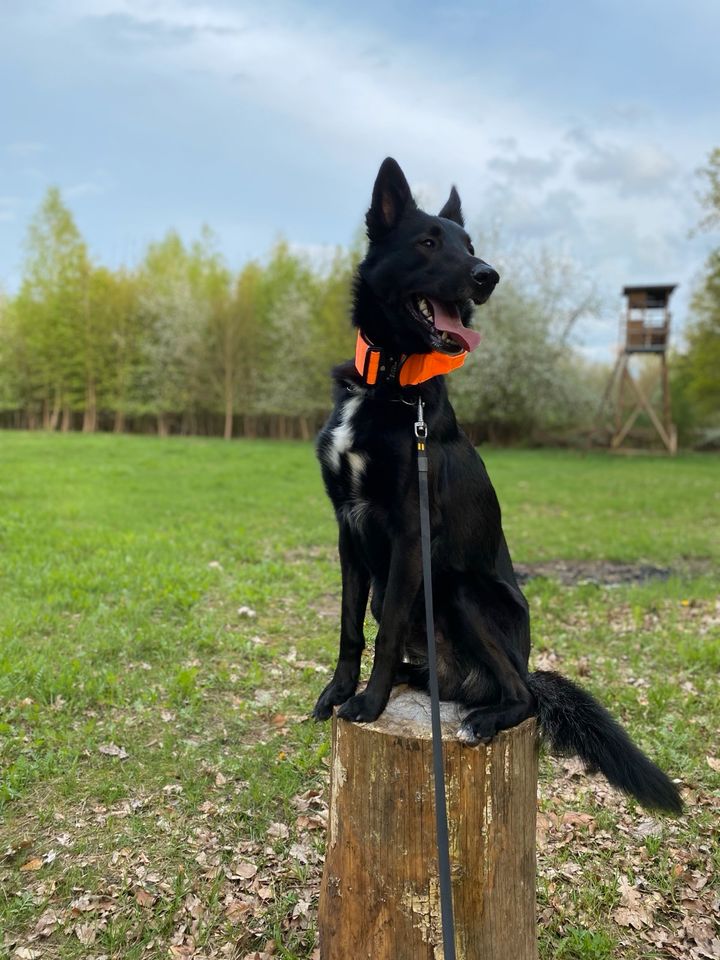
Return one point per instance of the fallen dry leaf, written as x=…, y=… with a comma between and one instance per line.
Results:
x=625, y=917
x=182, y=952
x=86, y=932
x=83, y=904
x=279, y=831
x=240, y=870
x=237, y=910
x=144, y=897
x=194, y=906
x=632, y=912
x=312, y=822
x=303, y=852
x=113, y=750
x=300, y=908
x=46, y=923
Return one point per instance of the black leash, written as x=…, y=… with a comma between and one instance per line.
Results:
x=441, y=823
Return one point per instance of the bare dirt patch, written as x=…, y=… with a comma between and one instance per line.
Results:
x=605, y=573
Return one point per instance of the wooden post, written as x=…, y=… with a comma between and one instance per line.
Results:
x=379, y=898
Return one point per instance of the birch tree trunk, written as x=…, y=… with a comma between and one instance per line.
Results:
x=90, y=412
x=228, y=430
x=119, y=424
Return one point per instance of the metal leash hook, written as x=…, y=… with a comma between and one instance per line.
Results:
x=441, y=822
x=420, y=425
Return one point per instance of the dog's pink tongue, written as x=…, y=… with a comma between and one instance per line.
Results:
x=452, y=324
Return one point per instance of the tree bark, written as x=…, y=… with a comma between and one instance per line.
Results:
x=228, y=431
x=55, y=414
x=228, y=387
x=90, y=412
x=380, y=897
x=119, y=424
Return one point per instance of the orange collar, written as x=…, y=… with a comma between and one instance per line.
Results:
x=409, y=369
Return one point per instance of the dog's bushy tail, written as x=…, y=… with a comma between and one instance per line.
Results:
x=574, y=724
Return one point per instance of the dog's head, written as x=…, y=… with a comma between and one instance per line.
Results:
x=422, y=270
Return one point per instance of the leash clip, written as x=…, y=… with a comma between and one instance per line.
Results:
x=420, y=425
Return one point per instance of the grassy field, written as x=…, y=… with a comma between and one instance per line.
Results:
x=168, y=616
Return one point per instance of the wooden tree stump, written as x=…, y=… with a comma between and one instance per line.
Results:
x=380, y=892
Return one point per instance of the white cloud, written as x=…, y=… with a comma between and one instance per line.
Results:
x=338, y=84
x=634, y=168
x=526, y=169
x=25, y=148
x=86, y=188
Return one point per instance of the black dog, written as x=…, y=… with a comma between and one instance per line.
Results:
x=414, y=296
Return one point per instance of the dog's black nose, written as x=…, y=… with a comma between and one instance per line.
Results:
x=484, y=274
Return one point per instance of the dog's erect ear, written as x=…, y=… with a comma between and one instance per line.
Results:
x=452, y=209
x=390, y=200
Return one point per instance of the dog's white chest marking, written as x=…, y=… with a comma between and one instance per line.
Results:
x=341, y=441
x=357, y=463
x=338, y=452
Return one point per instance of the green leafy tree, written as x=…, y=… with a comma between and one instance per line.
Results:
x=334, y=336
x=234, y=337
x=121, y=301
x=52, y=312
x=176, y=289
x=304, y=311
x=13, y=374
x=710, y=195
x=525, y=377
x=702, y=361
x=284, y=353
x=696, y=373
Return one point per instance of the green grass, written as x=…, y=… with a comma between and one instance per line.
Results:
x=124, y=565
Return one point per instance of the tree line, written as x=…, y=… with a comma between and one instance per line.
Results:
x=182, y=343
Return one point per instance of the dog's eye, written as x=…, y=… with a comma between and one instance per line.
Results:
x=428, y=242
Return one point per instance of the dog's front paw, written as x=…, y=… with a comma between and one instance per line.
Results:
x=361, y=709
x=333, y=694
x=477, y=727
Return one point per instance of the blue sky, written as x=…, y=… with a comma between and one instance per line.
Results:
x=574, y=126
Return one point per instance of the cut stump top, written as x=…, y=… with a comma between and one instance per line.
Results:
x=408, y=715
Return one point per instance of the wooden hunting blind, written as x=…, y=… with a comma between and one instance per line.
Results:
x=647, y=326
x=646, y=331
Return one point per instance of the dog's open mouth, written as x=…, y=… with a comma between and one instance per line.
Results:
x=443, y=323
